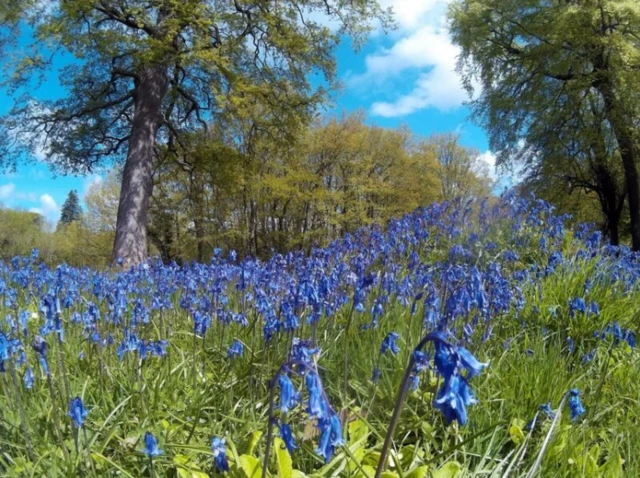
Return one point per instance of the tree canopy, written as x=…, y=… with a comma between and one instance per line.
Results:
x=537, y=68
x=149, y=72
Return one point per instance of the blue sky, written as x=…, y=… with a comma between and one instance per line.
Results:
x=404, y=77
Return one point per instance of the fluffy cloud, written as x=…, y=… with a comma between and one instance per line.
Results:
x=7, y=191
x=48, y=208
x=422, y=47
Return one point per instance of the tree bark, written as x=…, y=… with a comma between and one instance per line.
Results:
x=130, y=244
x=629, y=154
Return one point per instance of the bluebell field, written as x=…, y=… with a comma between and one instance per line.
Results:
x=467, y=338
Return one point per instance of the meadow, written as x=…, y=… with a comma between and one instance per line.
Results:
x=464, y=339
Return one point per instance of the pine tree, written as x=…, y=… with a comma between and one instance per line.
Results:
x=71, y=210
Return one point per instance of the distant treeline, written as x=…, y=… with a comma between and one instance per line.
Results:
x=237, y=187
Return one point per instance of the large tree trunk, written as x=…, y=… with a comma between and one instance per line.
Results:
x=621, y=127
x=131, y=227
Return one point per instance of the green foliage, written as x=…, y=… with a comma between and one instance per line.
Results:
x=71, y=210
x=250, y=192
x=557, y=91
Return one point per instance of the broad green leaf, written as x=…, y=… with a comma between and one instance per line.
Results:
x=448, y=470
x=251, y=466
x=357, y=430
x=420, y=472
x=253, y=441
x=285, y=467
x=613, y=467
x=516, y=433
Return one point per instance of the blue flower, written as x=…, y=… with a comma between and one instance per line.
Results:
x=575, y=406
x=330, y=437
x=577, y=305
x=219, y=454
x=288, y=396
x=389, y=343
x=468, y=361
x=546, y=409
x=28, y=378
x=317, y=407
x=376, y=375
x=236, y=349
x=77, y=411
x=450, y=400
x=151, y=445
x=287, y=437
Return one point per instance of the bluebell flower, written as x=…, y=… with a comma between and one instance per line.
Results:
x=287, y=437
x=28, y=378
x=302, y=350
x=450, y=400
x=77, y=411
x=389, y=343
x=236, y=349
x=570, y=345
x=40, y=346
x=151, y=445
x=469, y=362
x=219, y=450
x=288, y=396
x=330, y=436
x=577, y=305
x=376, y=375
x=317, y=407
x=588, y=357
x=575, y=406
x=546, y=409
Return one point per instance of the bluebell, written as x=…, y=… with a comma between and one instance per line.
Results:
x=288, y=396
x=77, y=411
x=219, y=450
x=575, y=405
x=151, y=445
x=236, y=349
x=287, y=437
x=389, y=343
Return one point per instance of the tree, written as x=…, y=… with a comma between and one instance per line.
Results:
x=71, y=210
x=461, y=171
x=536, y=61
x=147, y=71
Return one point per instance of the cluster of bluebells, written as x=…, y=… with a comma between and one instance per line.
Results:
x=317, y=407
x=455, y=394
x=389, y=344
x=365, y=274
x=576, y=409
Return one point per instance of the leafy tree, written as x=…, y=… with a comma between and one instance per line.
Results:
x=147, y=72
x=71, y=210
x=538, y=63
x=462, y=173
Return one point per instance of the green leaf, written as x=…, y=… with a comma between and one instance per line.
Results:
x=357, y=430
x=285, y=467
x=448, y=470
x=613, y=467
x=251, y=466
x=253, y=441
x=515, y=431
x=420, y=472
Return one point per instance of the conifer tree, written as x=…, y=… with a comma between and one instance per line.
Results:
x=71, y=210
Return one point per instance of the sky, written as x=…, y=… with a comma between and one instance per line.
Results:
x=406, y=76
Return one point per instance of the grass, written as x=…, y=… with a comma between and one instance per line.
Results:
x=196, y=392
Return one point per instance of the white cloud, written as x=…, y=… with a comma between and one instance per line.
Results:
x=489, y=158
x=7, y=191
x=408, y=13
x=421, y=48
x=48, y=208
